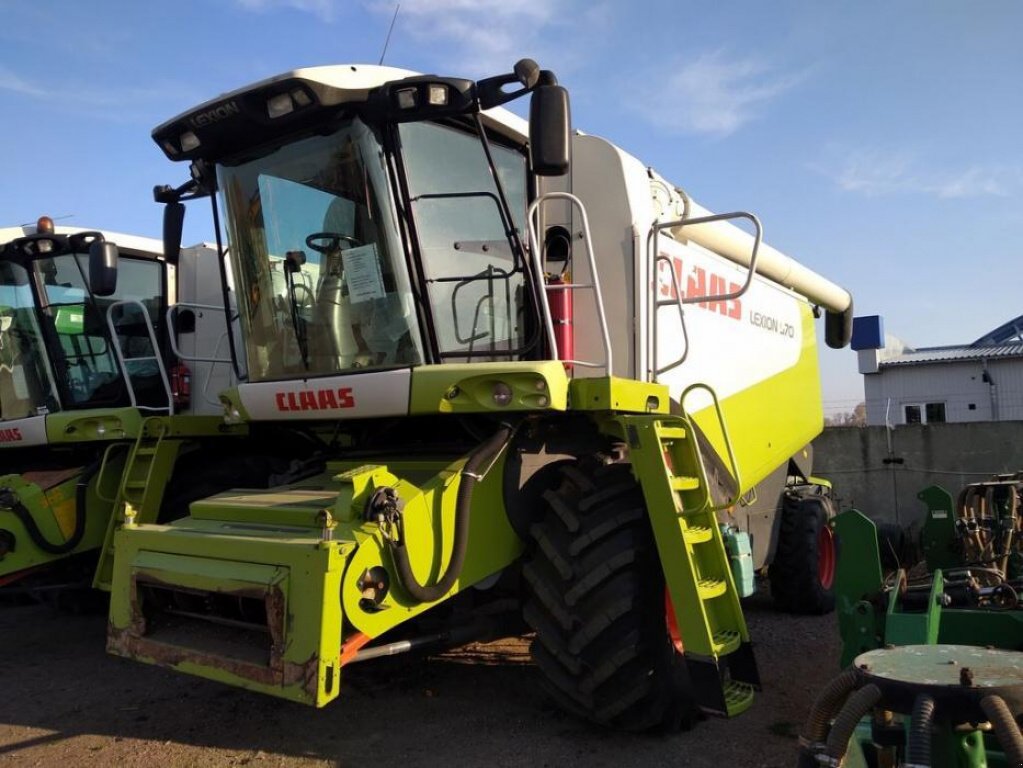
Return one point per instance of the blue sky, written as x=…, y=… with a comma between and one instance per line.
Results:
x=878, y=142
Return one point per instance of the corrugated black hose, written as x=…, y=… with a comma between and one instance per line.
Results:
x=918, y=743
x=481, y=457
x=858, y=705
x=828, y=703
x=9, y=499
x=1006, y=728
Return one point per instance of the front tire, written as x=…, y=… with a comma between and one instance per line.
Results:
x=803, y=571
x=596, y=601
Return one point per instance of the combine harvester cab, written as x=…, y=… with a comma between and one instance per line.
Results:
x=91, y=385
x=550, y=384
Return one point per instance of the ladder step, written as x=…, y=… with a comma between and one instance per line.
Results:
x=726, y=641
x=685, y=483
x=671, y=433
x=698, y=534
x=738, y=697
x=711, y=588
x=136, y=484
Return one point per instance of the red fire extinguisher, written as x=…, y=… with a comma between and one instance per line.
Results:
x=560, y=300
x=181, y=385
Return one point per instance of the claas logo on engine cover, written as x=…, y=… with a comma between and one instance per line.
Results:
x=315, y=400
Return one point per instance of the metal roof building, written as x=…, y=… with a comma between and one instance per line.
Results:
x=982, y=381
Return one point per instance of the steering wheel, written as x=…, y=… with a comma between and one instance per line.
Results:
x=328, y=242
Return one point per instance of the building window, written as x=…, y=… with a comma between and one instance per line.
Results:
x=924, y=413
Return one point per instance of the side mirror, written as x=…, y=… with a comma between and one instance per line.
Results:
x=173, y=222
x=549, y=122
x=102, y=268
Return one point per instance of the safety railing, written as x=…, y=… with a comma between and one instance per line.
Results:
x=593, y=285
x=155, y=357
x=656, y=258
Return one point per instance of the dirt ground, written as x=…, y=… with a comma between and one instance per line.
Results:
x=66, y=703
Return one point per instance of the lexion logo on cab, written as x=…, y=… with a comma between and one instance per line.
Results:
x=10, y=435
x=315, y=400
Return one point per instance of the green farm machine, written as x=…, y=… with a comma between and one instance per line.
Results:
x=518, y=368
x=933, y=670
x=96, y=402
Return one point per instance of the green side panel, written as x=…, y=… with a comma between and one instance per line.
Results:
x=917, y=628
x=429, y=518
x=858, y=580
x=92, y=425
x=53, y=507
x=471, y=388
x=938, y=536
x=1001, y=629
x=611, y=393
x=772, y=420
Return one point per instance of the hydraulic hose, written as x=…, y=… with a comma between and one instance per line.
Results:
x=858, y=705
x=918, y=743
x=828, y=703
x=481, y=457
x=1005, y=727
x=10, y=500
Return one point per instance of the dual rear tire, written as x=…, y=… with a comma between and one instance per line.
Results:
x=802, y=573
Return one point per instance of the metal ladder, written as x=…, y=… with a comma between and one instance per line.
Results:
x=715, y=640
x=141, y=487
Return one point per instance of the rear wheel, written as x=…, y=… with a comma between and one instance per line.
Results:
x=803, y=571
x=596, y=598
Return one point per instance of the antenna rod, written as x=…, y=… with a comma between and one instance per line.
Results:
x=389, y=31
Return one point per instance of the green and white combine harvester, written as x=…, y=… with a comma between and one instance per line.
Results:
x=527, y=371
x=92, y=328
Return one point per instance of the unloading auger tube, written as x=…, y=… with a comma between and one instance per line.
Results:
x=383, y=507
x=737, y=246
x=9, y=500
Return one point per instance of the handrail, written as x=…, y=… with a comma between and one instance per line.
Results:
x=728, y=449
x=653, y=370
x=173, y=337
x=594, y=285
x=155, y=357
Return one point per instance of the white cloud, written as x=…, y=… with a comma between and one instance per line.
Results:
x=323, y=9
x=116, y=103
x=716, y=94
x=482, y=37
x=9, y=81
x=874, y=174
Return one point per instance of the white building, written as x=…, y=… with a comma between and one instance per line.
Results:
x=982, y=381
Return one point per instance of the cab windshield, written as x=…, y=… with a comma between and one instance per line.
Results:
x=321, y=278
x=26, y=382
x=55, y=349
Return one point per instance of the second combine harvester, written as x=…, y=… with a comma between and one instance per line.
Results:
x=529, y=369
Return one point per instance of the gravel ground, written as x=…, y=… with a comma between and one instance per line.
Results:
x=67, y=703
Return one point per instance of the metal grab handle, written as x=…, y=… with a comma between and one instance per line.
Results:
x=534, y=246
x=728, y=448
x=122, y=360
x=681, y=316
x=100, y=475
x=172, y=337
x=655, y=233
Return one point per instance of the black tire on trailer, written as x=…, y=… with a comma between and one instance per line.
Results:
x=596, y=599
x=803, y=570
